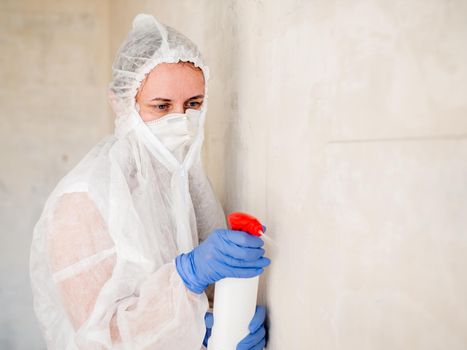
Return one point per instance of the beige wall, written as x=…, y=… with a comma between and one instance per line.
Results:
x=343, y=125
x=350, y=140
x=54, y=67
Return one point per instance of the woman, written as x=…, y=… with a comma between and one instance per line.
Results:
x=115, y=261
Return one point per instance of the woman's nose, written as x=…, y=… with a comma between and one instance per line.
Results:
x=179, y=109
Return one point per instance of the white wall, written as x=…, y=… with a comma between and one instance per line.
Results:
x=341, y=124
x=350, y=140
x=54, y=67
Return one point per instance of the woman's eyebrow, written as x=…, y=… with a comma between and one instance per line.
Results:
x=195, y=97
x=169, y=100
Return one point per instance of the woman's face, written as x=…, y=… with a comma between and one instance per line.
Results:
x=170, y=88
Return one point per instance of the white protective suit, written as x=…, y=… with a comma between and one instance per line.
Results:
x=102, y=256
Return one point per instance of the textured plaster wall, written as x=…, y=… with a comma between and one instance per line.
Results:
x=349, y=137
x=54, y=67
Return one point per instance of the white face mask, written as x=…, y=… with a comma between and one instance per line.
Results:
x=176, y=131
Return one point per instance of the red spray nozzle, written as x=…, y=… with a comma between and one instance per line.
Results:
x=246, y=223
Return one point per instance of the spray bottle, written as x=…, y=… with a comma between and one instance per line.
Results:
x=235, y=298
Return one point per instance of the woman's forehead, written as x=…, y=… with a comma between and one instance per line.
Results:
x=173, y=81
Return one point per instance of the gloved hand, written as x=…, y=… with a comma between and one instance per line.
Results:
x=256, y=340
x=225, y=253
x=208, y=321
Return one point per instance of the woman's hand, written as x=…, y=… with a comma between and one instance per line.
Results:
x=225, y=253
x=256, y=340
x=208, y=321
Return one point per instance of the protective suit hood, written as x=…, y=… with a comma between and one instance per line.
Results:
x=148, y=44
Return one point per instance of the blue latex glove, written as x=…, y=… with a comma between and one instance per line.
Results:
x=225, y=253
x=256, y=340
x=208, y=321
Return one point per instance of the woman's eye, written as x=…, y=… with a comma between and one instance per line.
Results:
x=193, y=104
x=161, y=107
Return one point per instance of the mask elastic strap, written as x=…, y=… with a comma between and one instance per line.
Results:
x=197, y=142
x=155, y=146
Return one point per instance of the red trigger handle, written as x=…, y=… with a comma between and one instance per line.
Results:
x=245, y=222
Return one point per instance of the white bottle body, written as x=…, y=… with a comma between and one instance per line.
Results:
x=234, y=308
